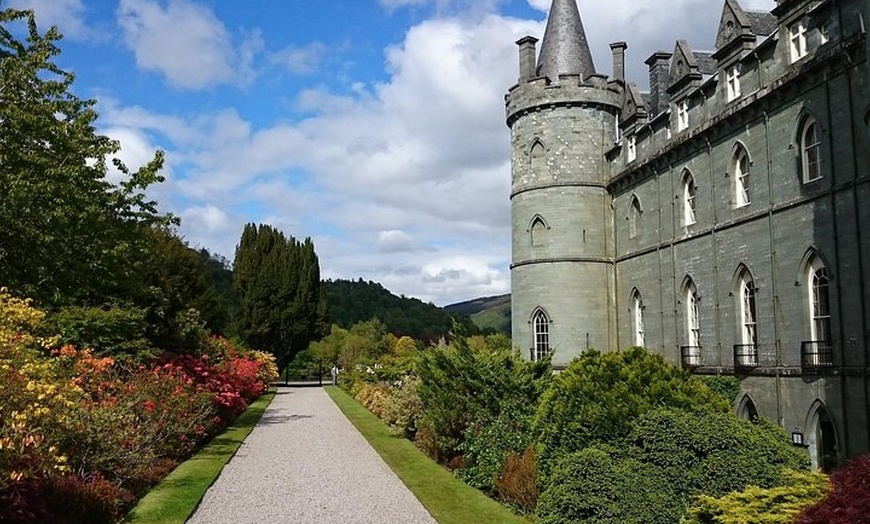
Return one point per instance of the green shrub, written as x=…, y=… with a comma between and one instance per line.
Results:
x=595, y=486
x=487, y=443
x=600, y=395
x=114, y=331
x=726, y=386
x=403, y=408
x=460, y=385
x=714, y=453
x=756, y=505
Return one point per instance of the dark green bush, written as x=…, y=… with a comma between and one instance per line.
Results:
x=460, y=385
x=596, y=486
x=111, y=331
x=600, y=395
x=714, y=453
x=487, y=443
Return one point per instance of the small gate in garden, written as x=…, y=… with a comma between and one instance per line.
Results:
x=310, y=374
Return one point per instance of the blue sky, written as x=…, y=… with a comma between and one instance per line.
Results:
x=376, y=127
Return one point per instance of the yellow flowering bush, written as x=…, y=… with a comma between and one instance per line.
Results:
x=268, y=370
x=35, y=401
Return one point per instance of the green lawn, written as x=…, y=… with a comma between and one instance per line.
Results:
x=176, y=497
x=447, y=498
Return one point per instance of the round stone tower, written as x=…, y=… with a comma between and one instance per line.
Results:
x=563, y=119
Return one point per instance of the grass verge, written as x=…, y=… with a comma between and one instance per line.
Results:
x=175, y=498
x=448, y=499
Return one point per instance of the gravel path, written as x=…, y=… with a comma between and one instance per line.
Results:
x=304, y=462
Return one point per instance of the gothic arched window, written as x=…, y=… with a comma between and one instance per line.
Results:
x=538, y=160
x=811, y=161
x=637, y=324
x=541, y=326
x=741, y=164
x=634, y=213
x=746, y=350
x=688, y=198
x=539, y=232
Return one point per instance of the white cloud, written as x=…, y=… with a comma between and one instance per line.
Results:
x=301, y=60
x=186, y=43
x=67, y=15
x=404, y=182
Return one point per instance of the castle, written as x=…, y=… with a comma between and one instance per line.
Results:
x=718, y=219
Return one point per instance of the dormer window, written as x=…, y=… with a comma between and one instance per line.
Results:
x=682, y=116
x=733, y=82
x=631, y=150
x=798, y=40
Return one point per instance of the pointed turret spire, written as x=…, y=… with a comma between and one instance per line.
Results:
x=564, y=49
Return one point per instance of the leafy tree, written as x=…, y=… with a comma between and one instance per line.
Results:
x=69, y=235
x=600, y=395
x=277, y=280
x=756, y=505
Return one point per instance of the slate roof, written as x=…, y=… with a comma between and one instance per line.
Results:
x=707, y=65
x=564, y=49
x=762, y=23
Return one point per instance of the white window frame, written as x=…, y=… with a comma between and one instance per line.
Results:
x=818, y=288
x=631, y=149
x=634, y=213
x=811, y=151
x=693, y=315
x=748, y=310
x=540, y=335
x=639, y=334
x=689, y=195
x=742, y=171
x=797, y=38
x=682, y=116
x=733, y=82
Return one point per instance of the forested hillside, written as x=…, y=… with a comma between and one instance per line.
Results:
x=349, y=302
x=488, y=314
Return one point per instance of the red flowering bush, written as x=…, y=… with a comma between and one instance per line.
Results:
x=848, y=501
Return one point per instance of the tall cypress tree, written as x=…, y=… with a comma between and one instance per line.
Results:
x=277, y=280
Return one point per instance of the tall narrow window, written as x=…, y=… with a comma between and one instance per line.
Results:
x=682, y=116
x=798, y=41
x=538, y=160
x=748, y=315
x=688, y=199
x=824, y=33
x=631, y=150
x=541, y=347
x=634, y=213
x=693, y=316
x=539, y=233
x=637, y=319
x=820, y=304
x=733, y=82
x=742, y=192
x=810, y=151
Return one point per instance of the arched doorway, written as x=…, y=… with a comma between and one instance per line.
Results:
x=821, y=438
x=747, y=410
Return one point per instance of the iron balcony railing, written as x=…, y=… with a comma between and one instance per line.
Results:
x=745, y=356
x=817, y=355
x=690, y=356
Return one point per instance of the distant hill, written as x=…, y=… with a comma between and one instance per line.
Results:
x=349, y=302
x=489, y=313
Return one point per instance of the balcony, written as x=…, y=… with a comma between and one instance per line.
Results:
x=817, y=355
x=690, y=356
x=745, y=356
x=537, y=354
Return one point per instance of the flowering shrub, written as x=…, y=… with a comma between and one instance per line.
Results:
x=82, y=436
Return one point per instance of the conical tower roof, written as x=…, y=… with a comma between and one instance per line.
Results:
x=564, y=49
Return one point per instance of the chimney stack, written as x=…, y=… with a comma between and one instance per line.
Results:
x=528, y=62
x=659, y=77
x=618, y=49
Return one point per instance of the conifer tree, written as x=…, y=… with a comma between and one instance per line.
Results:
x=277, y=280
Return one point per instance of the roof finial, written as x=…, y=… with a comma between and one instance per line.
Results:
x=564, y=49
